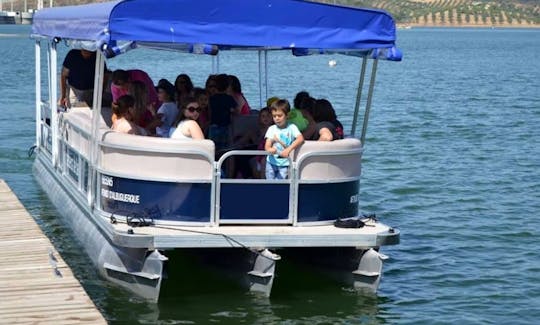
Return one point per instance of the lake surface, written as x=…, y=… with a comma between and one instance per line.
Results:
x=452, y=159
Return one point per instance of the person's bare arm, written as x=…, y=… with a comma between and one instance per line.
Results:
x=63, y=101
x=268, y=146
x=297, y=142
x=325, y=135
x=195, y=131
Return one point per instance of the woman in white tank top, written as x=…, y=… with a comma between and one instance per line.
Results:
x=187, y=126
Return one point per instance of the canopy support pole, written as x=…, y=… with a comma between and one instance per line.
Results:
x=53, y=87
x=263, y=70
x=265, y=75
x=96, y=119
x=260, y=79
x=37, y=48
x=369, y=98
x=359, y=96
x=215, y=64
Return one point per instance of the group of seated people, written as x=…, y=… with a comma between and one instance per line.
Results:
x=182, y=111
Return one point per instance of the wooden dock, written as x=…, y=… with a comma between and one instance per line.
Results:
x=36, y=285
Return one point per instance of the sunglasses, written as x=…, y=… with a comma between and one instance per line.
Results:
x=194, y=109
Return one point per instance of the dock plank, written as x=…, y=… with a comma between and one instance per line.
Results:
x=32, y=290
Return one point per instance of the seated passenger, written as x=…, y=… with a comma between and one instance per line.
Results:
x=186, y=126
x=183, y=87
x=201, y=96
x=144, y=114
x=328, y=128
x=295, y=115
x=123, y=123
x=168, y=111
x=307, y=105
x=121, y=79
x=254, y=166
x=258, y=163
x=210, y=85
x=235, y=90
x=221, y=107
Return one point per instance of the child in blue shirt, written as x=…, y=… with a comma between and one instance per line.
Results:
x=281, y=138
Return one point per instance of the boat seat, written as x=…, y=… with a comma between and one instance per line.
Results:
x=77, y=128
x=329, y=160
x=157, y=158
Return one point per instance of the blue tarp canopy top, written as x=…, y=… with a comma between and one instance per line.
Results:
x=224, y=24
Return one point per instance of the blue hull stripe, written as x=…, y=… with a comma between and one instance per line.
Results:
x=254, y=201
x=322, y=202
x=164, y=201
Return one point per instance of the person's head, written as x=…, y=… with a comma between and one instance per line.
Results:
x=234, y=84
x=189, y=109
x=265, y=117
x=87, y=54
x=222, y=82
x=307, y=105
x=138, y=90
x=120, y=78
x=123, y=105
x=300, y=96
x=201, y=96
x=323, y=111
x=210, y=86
x=270, y=101
x=165, y=91
x=280, y=110
x=183, y=84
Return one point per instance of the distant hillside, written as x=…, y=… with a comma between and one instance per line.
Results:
x=473, y=13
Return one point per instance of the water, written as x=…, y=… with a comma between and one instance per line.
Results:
x=452, y=160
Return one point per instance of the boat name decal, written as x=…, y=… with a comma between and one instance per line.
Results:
x=124, y=197
x=106, y=180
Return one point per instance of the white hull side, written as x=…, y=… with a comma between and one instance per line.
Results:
x=132, y=268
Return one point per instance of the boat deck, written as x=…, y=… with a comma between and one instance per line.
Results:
x=36, y=285
x=373, y=234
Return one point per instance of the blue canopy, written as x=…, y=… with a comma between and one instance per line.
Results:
x=225, y=24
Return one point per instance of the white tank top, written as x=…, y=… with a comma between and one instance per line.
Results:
x=177, y=133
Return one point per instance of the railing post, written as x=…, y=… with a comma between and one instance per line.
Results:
x=359, y=95
x=96, y=119
x=37, y=48
x=53, y=98
x=369, y=99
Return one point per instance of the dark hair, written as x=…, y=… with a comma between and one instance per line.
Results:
x=120, y=75
x=234, y=82
x=198, y=92
x=211, y=79
x=122, y=105
x=323, y=111
x=183, y=105
x=307, y=104
x=261, y=111
x=187, y=79
x=281, y=104
x=299, y=98
x=222, y=82
x=167, y=86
